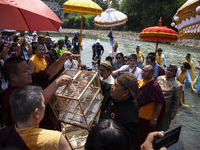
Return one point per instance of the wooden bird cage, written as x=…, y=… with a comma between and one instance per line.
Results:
x=78, y=104
x=75, y=136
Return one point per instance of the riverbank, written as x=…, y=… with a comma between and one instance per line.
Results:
x=129, y=35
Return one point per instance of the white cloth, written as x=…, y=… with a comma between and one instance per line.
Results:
x=109, y=80
x=113, y=54
x=71, y=65
x=137, y=73
x=95, y=65
x=187, y=75
x=163, y=62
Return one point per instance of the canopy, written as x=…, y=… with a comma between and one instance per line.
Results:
x=83, y=7
x=159, y=34
x=28, y=15
x=187, y=19
x=110, y=18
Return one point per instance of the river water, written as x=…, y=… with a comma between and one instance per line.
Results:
x=189, y=118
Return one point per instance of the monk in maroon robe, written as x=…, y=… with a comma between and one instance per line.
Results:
x=151, y=104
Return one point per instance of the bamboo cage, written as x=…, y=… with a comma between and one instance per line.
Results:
x=78, y=103
x=75, y=136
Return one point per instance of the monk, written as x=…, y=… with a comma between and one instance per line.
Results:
x=28, y=107
x=17, y=73
x=151, y=104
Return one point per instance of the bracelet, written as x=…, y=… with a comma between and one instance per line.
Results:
x=155, y=119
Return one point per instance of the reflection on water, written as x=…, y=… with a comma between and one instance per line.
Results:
x=189, y=118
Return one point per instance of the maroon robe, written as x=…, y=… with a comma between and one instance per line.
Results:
x=151, y=92
x=10, y=138
x=49, y=121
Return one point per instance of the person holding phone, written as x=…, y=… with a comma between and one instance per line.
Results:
x=23, y=49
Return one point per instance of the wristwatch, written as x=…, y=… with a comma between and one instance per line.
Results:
x=155, y=119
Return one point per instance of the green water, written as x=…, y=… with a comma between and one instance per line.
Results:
x=189, y=118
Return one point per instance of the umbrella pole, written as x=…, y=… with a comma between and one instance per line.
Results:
x=156, y=47
x=79, y=58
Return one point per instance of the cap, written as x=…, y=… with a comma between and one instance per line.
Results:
x=61, y=41
x=34, y=33
x=26, y=32
x=132, y=56
x=47, y=37
x=40, y=36
x=106, y=64
x=98, y=41
x=17, y=34
x=115, y=43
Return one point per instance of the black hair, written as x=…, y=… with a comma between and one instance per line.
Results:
x=151, y=56
x=187, y=65
x=10, y=66
x=188, y=55
x=107, y=135
x=121, y=54
x=109, y=58
x=133, y=56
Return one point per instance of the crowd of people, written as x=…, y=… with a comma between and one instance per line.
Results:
x=139, y=98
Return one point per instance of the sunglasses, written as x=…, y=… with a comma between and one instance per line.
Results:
x=118, y=57
x=125, y=60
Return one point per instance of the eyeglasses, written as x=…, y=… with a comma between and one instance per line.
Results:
x=118, y=57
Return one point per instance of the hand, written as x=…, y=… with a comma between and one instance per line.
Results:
x=65, y=56
x=194, y=90
x=147, y=145
x=63, y=80
x=153, y=123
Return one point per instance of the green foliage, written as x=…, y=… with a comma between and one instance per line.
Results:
x=145, y=13
x=141, y=13
x=74, y=21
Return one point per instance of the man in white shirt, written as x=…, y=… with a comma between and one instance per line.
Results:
x=132, y=59
x=71, y=64
x=114, y=52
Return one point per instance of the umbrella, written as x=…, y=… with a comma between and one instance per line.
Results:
x=187, y=19
x=28, y=15
x=159, y=34
x=110, y=18
x=83, y=7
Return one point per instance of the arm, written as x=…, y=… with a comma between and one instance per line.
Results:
x=51, y=89
x=18, y=47
x=31, y=66
x=30, y=51
x=190, y=81
x=176, y=101
x=153, y=121
x=18, y=50
x=63, y=144
x=115, y=72
x=5, y=52
x=53, y=69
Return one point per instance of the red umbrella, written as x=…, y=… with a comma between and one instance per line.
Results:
x=28, y=15
x=159, y=34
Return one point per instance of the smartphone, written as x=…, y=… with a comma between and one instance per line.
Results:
x=171, y=136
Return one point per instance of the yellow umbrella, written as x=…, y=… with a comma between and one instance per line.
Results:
x=83, y=7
